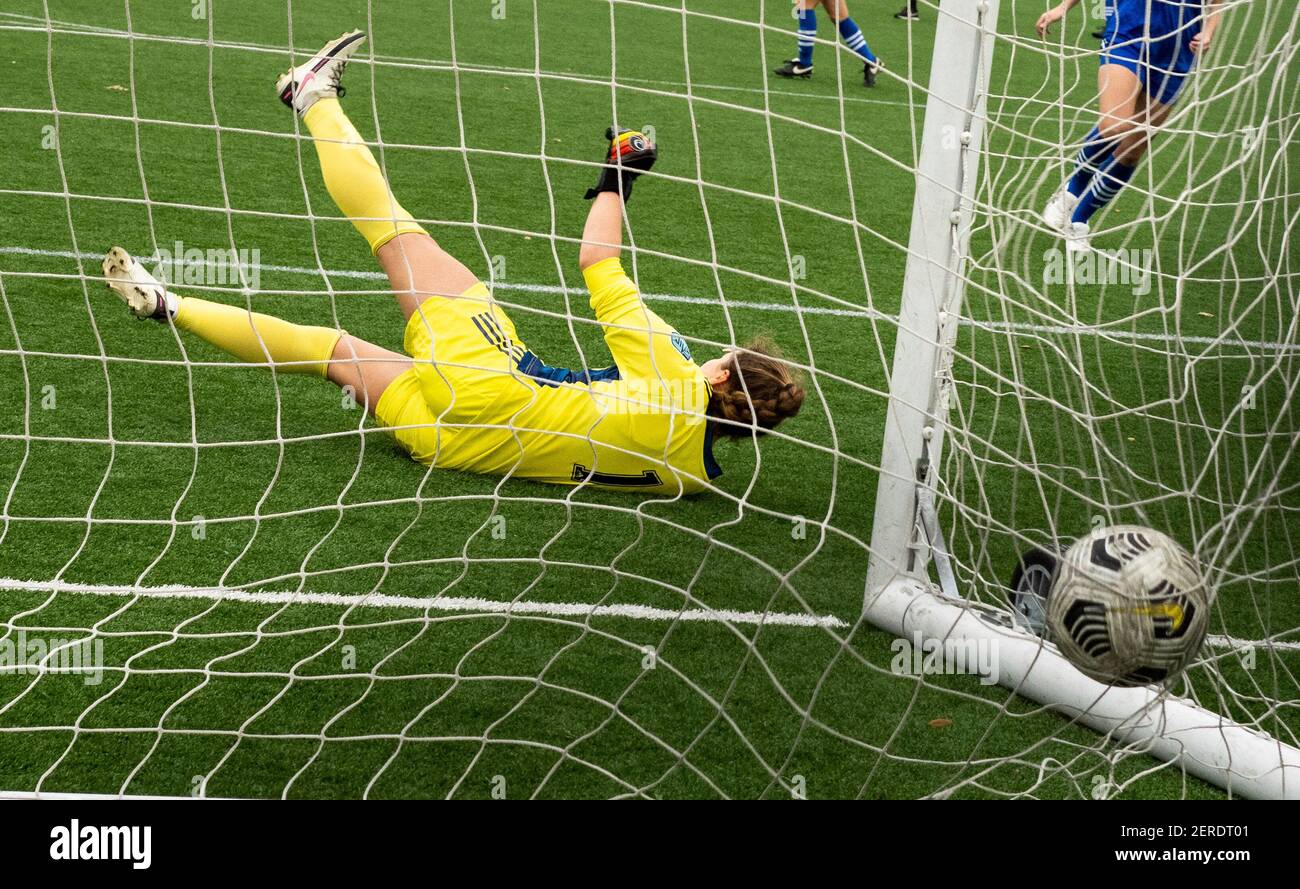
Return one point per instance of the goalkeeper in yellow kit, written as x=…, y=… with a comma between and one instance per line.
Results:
x=470, y=394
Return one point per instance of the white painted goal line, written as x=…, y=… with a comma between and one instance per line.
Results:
x=475, y=605
x=59, y=795
x=524, y=287
x=466, y=604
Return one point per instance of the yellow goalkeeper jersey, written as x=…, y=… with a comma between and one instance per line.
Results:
x=478, y=399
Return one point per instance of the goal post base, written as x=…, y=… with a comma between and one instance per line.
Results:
x=1241, y=760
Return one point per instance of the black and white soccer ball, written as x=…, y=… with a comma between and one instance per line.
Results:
x=1129, y=606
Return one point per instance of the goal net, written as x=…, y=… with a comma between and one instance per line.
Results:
x=220, y=581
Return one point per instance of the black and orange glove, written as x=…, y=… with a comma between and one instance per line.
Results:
x=630, y=154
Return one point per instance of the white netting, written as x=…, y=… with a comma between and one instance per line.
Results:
x=1152, y=380
x=274, y=601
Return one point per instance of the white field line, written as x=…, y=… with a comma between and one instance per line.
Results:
x=499, y=285
x=1003, y=326
x=438, y=603
x=38, y=24
x=45, y=794
x=491, y=606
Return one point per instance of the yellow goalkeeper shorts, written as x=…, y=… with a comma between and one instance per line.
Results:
x=454, y=405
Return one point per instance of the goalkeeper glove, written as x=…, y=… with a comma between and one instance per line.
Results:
x=630, y=154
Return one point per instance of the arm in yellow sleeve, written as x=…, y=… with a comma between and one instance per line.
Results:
x=642, y=343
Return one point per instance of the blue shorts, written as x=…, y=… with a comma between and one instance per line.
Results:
x=1158, y=50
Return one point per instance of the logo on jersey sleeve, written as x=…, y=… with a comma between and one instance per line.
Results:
x=679, y=343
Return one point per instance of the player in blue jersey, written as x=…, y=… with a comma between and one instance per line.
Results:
x=1148, y=50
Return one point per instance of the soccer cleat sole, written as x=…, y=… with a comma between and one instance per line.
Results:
x=144, y=300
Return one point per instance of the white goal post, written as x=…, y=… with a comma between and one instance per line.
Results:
x=906, y=539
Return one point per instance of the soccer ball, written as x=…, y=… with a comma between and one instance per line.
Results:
x=1128, y=606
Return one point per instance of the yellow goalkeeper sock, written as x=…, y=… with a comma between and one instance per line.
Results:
x=354, y=180
x=254, y=337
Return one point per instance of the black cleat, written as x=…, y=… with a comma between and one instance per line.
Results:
x=908, y=13
x=869, y=72
x=792, y=68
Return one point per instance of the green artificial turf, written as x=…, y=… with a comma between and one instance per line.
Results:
x=129, y=457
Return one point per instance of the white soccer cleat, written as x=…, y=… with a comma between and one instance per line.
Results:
x=1076, y=238
x=1059, y=209
x=141, y=291
x=318, y=77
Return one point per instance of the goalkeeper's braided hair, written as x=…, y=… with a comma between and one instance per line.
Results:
x=761, y=392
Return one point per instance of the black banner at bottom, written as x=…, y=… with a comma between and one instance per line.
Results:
x=138, y=839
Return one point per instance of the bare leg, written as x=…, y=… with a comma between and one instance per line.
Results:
x=1119, y=91
x=418, y=268
x=364, y=369
x=1133, y=146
